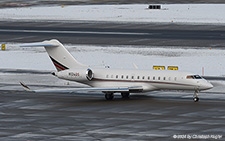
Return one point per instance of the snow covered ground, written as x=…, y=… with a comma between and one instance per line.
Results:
x=192, y=60
x=176, y=13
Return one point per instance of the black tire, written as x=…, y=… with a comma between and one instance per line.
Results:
x=125, y=95
x=196, y=99
x=109, y=96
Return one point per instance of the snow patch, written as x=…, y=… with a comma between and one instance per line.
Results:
x=176, y=13
x=191, y=60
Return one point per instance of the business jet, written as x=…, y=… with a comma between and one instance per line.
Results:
x=110, y=81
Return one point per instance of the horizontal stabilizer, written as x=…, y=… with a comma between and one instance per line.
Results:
x=38, y=44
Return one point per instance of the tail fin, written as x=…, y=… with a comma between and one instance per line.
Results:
x=59, y=55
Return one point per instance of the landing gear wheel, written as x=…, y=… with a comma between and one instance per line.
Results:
x=196, y=99
x=109, y=96
x=195, y=96
x=125, y=95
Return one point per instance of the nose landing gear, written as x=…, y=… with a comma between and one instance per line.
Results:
x=196, y=99
x=195, y=96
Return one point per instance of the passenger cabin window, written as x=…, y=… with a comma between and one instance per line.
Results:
x=193, y=77
x=153, y=77
x=107, y=76
x=111, y=76
x=116, y=76
x=158, y=78
x=138, y=77
x=148, y=77
x=190, y=77
x=127, y=77
x=132, y=77
x=164, y=78
x=143, y=77
x=175, y=78
x=122, y=76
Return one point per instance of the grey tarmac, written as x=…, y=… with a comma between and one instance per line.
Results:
x=158, y=115
x=106, y=33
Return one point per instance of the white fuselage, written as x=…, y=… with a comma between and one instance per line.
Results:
x=110, y=81
x=148, y=80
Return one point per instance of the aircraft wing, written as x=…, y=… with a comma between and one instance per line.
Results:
x=93, y=89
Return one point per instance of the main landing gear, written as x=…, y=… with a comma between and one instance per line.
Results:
x=110, y=96
x=125, y=95
x=195, y=96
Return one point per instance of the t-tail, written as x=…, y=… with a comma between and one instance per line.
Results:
x=59, y=55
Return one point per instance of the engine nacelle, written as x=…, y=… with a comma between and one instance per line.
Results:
x=75, y=74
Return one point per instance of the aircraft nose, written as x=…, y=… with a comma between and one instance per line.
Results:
x=206, y=86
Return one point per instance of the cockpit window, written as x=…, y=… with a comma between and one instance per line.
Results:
x=197, y=77
x=194, y=77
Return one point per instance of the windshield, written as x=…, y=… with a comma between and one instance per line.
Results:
x=194, y=77
x=197, y=77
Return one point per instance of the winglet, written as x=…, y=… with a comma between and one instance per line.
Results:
x=25, y=87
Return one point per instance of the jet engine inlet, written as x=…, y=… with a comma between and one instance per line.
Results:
x=89, y=74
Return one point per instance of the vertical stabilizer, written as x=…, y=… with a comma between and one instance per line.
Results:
x=59, y=55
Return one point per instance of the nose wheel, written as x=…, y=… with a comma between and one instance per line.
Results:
x=196, y=99
x=195, y=96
